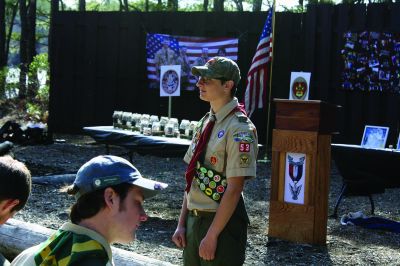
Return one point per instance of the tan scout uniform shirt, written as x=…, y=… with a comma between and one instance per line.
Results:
x=232, y=151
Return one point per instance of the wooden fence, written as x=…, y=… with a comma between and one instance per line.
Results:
x=98, y=63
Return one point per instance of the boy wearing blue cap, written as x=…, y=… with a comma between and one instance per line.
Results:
x=109, y=194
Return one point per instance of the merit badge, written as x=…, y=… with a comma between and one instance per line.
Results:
x=244, y=147
x=217, y=178
x=216, y=196
x=224, y=182
x=203, y=169
x=198, y=165
x=243, y=137
x=210, y=173
x=208, y=191
x=221, y=133
x=201, y=175
x=206, y=180
x=202, y=186
x=213, y=160
x=212, y=184
x=220, y=189
x=244, y=160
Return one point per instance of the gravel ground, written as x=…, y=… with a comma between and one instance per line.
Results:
x=346, y=245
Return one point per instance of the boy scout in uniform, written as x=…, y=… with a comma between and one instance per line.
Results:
x=212, y=226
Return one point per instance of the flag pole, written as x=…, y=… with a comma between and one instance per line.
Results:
x=270, y=82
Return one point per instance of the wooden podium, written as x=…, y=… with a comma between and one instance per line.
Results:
x=301, y=157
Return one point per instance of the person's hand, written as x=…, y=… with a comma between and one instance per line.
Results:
x=179, y=237
x=207, y=247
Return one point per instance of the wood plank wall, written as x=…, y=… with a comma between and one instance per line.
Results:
x=98, y=63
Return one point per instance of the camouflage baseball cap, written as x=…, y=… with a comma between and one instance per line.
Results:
x=219, y=68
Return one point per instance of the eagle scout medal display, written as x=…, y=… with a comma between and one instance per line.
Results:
x=211, y=183
x=295, y=172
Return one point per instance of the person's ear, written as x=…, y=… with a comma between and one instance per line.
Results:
x=228, y=85
x=7, y=205
x=110, y=197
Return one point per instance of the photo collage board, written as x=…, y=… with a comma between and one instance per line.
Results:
x=371, y=61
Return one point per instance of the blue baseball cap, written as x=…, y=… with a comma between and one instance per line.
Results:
x=108, y=170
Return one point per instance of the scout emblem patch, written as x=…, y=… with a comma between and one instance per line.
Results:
x=213, y=160
x=244, y=160
x=244, y=147
x=170, y=81
x=299, y=88
x=221, y=133
x=243, y=137
x=210, y=182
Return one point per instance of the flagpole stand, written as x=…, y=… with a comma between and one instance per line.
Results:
x=169, y=106
x=301, y=157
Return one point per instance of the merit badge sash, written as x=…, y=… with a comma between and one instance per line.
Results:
x=211, y=183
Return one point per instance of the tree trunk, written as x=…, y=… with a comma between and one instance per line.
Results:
x=82, y=5
x=125, y=6
x=219, y=5
x=146, y=5
x=3, y=62
x=257, y=5
x=239, y=5
x=205, y=5
x=23, y=48
x=10, y=27
x=31, y=47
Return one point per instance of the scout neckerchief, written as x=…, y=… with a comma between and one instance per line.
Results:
x=194, y=163
x=68, y=248
x=201, y=144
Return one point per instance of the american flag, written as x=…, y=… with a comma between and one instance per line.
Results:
x=194, y=46
x=257, y=77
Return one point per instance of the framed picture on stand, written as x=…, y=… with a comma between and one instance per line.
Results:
x=374, y=137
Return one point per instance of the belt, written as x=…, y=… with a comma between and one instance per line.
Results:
x=199, y=213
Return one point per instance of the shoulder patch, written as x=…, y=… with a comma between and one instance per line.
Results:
x=241, y=117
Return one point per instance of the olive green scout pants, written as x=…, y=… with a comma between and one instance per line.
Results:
x=231, y=245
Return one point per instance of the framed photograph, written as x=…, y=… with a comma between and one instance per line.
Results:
x=374, y=137
x=398, y=143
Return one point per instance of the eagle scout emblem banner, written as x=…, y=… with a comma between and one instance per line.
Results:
x=299, y=85
x=170, y=84
x=295, y=174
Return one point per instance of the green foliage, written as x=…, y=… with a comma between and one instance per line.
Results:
x=9, y=82
x=37, y=108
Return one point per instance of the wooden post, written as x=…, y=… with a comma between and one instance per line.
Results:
x=304, y=128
